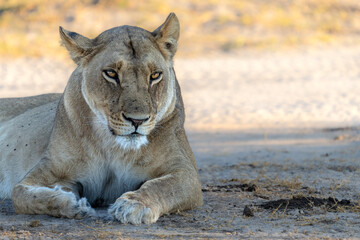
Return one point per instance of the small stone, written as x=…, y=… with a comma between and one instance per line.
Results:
x=34, y=223
x=248, y=212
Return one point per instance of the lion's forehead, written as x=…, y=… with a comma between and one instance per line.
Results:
x=128, y=47
x=133, y=41
x=134, y=50
x=116, y=57
x=122, y=32
x=138, y=55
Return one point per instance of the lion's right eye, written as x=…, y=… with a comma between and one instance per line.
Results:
x=111, y=75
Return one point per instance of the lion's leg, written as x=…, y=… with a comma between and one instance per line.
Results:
x=51, y=201
x=156, y=197
x=41, y=192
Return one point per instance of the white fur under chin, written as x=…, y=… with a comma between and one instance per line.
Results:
x=131, y=142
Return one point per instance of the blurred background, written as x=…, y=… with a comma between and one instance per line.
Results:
x=241, y=63
x=30, y=28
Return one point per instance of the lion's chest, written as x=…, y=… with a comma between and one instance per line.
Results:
x=106, y=182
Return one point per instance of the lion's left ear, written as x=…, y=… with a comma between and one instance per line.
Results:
x=167, y=35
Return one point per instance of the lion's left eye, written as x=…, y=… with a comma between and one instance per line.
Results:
x=156, y=76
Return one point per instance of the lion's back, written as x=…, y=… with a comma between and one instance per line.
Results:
x=11, y=107
x=25, y=128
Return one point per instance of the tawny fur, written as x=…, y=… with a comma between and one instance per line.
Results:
x=62, y=154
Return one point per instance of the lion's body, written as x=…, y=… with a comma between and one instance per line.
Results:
x=116, y=135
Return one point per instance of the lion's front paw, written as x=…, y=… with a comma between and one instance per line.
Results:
x=51, y=201
x=132, y=211
x=83, y=209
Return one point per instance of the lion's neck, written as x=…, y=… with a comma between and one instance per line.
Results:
x=74, y=117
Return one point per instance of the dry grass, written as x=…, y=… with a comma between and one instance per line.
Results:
x=31, y=27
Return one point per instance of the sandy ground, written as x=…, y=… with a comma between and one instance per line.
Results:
x=276, y=138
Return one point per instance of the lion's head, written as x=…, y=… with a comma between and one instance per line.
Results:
x=127, y=77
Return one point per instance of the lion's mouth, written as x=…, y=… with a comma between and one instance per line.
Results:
x=132, y=140
x=133, y=134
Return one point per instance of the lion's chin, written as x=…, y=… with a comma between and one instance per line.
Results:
x=131, y=142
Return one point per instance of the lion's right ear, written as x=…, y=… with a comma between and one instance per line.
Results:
x=77, y=45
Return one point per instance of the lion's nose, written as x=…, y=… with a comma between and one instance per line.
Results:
x=135, y=122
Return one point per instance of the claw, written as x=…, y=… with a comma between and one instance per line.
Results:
x=131, y=211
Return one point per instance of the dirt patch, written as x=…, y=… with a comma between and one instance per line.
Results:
x=231, y=188
x=306, y=203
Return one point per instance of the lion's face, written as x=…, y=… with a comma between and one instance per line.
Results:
x=128, y=79
x=130, y=86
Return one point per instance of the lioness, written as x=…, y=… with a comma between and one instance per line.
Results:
x=115, y=136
